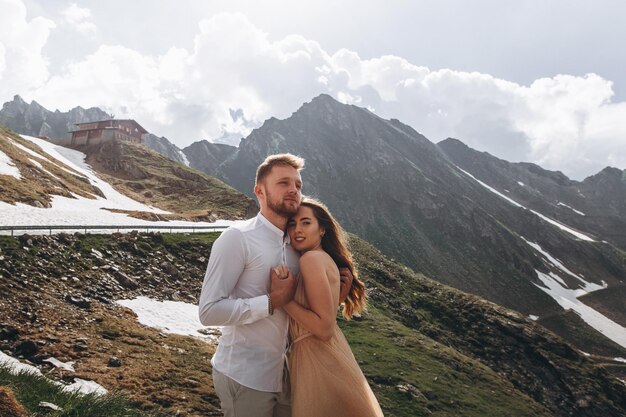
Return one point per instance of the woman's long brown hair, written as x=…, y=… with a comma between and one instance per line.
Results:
x=334, y=243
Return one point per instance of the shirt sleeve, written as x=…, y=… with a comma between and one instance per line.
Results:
x=226, y=264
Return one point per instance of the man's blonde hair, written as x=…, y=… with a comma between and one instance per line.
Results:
x=285, y=159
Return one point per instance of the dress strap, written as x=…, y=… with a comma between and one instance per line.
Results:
x=293, y=342
x=304, y=336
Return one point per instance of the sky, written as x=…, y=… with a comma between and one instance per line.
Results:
x=536, y=81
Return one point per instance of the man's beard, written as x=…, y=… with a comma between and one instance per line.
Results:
x=282, y=209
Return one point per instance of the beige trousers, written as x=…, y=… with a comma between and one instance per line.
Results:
x=240, y=401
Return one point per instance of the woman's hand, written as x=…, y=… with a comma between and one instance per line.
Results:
x=282, y=286
x=345, y=279
x=281, y=271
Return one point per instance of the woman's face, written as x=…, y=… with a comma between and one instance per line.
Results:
x=304, y=230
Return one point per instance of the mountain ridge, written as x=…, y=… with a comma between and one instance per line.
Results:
x=19, y=107
x=35, y=120
x=424, y=346
x=390, y=185
x=408, y=196
x=575, y=203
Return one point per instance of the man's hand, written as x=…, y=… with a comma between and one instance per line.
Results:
x=345, y=283
x=282, y=290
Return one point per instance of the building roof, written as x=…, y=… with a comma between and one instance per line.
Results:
x=137, y=125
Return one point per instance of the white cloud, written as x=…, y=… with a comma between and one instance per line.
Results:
x=116, y=78
x=80, y=19
x=234, y=77
x=563, y=123
x=22, y=65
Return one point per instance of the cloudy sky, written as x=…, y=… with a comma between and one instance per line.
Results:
x=539, y=81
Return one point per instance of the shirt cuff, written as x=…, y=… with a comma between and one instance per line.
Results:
x=259, y=307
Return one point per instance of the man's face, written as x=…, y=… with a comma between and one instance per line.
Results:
x=280, y=191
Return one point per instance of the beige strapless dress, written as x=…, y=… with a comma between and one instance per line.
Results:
x=326, y=380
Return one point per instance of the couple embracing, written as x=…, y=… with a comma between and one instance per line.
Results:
x=274, y=283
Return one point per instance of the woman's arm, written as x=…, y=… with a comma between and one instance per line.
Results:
x=320, y=318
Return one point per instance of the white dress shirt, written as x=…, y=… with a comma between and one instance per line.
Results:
x=234, y=295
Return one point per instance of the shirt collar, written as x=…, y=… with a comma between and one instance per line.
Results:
x=273, y=228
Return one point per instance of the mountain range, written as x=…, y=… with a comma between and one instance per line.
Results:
x=513, y=233
x=440, y=211
x=507, y=232
x=35, y=120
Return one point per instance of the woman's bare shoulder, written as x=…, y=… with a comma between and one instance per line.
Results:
x=320, y=261
x=316, y=259
x=314, y=256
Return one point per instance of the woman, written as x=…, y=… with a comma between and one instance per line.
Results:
x=325, y=378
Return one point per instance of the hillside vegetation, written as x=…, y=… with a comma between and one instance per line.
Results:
x=149, y=177
x=41, y=177
x=426, y=349
x=132, y=169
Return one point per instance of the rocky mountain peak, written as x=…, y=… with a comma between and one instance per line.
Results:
x=328, y=111
x=17, y=100
x=35, y=120
x=323, y=102
x=453, y=142
x=36, y=106
x=13, y=108
x=607, y=174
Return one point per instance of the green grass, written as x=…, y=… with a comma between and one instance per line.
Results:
x=538, y=364
x=448, y=383
x=9, y=244
x=31, y=389
x=12, y=247
x=158, y=181
x=92, y=241
x=175, y=239
x=454, y=352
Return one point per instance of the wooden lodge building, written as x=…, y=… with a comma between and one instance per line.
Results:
x=93, y=133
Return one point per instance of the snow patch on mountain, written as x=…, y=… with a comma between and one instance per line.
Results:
x=78, y=210
x=169, y=317
x=587, y=286
x=571, y=208
x=184, y=157
x=561, y=226
x=568, y=299
x=7, y=167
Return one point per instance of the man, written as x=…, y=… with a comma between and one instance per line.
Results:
x=241, y=294
x=248, y=365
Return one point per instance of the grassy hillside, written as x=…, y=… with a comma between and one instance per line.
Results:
x=534, y=360
x=412, y=375
x=25, y=391
x=41, y=177
x=133, y=170
x=149, y=177
x=426, y=349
